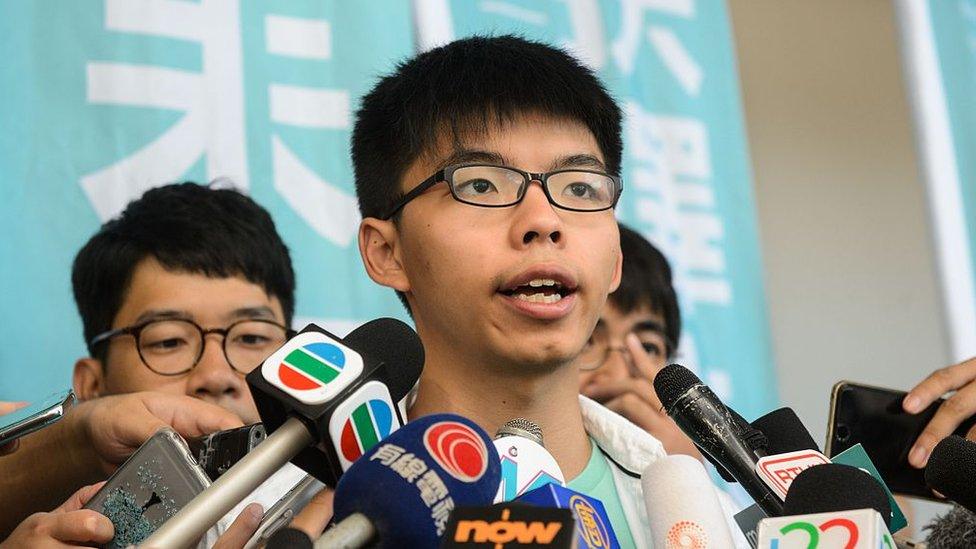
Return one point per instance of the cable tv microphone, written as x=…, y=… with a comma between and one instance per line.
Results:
x=526, y=464
x=682, y=505
x=401, y=493
x=323, y=402
x=711, y=426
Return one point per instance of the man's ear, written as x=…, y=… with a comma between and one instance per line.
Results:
x=379, y=246
x=88, y=379
x=618, y=270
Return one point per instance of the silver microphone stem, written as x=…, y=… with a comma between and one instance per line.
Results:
x=203, y=511
x=352, y=532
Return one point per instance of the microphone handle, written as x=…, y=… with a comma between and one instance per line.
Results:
x=192, y=521
x=352, y=532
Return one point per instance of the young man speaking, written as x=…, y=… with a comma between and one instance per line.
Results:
x=487, y=173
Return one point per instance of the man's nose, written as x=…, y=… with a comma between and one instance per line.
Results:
x=213, y=377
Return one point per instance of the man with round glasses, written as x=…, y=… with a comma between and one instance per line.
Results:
x=186, y=291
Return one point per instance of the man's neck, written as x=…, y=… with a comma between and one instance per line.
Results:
x=491, y=396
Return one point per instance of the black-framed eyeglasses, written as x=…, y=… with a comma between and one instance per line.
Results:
x=598, y=349
x=172, y=347
x=491, y=186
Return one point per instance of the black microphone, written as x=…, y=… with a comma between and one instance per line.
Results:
x=289, y=538
x=833, y=487
x=323, y=403
x=784, y=432
x=951, y=470
x=712, y=427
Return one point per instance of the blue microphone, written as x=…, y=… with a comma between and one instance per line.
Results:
x=402, y=491
x=593, y=527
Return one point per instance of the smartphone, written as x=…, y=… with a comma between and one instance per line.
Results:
x=218, y=452
x=150, y=487
x=285, y=509
x=33, y=417
x=874, y=418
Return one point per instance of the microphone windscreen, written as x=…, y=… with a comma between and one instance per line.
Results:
x=951, y=470
x=682, y=505
x=784, y=432
x=408, y=484
x=833, y=487
x=395, y=344
x=289, y=538
x=957, y=528
x=672, y=382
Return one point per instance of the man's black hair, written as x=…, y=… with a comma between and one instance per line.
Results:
x=188, y=228
x=646, y=282
x=465, y=88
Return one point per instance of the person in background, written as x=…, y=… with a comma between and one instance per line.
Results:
x=636, y=336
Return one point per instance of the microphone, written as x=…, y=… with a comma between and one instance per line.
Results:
x=504, y=523
x=784, y=432
x=525, y=462
x=401, y=493
x=711, y=426
x=683, y=507
x=289, y=538
x=593, y=523
x=833, y=487
x=315, y=388
x=951, y=470
x=956, y=528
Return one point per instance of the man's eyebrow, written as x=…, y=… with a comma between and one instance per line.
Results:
x=163, y=314
x=579, y=161
x=261, y=311
x=649, y=326
x=472, y=156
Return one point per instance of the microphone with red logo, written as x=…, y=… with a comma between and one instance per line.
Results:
x=324, y=402
x=402, y=491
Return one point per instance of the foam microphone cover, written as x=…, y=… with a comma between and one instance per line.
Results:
x=833, y=487
x=957, y=528
x=682, y=506
x=951, y=470
x=784, y=432
x=408, y=484
x=395, y=344
x=289, y=538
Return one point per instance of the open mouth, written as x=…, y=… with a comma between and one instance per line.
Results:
x=540, y=290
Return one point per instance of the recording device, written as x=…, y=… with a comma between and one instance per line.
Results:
x=324, y=402
x=593, y=528
x=784, y=432
x=682, y=505
x=158, y=480
x=830, y=506
x=289, y=538
x=874, y=418
x=279, y=515
x=510, y=523
x=951, y=470
x=403, y=490
x=526, y=464
x=709, y=424
x=35, y=416
x=217, y=452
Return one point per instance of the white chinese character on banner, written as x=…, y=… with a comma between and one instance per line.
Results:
x=441, y=513
x=672, y=183
x=409, y=466
x=431, y=487
x=387, y=454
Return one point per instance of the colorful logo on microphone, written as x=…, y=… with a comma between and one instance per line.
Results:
x=311, y=366
x=687, y=535
x=369, y=423
x=458, y=449
x=591, y=527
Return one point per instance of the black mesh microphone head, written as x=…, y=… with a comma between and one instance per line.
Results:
x=672, y=382
x=951, y=470
x=784, y=432
x=395, y=344
x=833, y=487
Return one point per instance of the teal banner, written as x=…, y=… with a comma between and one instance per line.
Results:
x=105, y=99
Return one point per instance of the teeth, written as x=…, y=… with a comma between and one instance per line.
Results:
x=539, y=298
x=539, y=282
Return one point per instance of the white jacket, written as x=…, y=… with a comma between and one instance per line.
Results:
x=630, y=450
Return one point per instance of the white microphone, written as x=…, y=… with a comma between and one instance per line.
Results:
x=682, y=506
x=526, y=464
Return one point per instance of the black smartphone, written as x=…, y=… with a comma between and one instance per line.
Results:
x=874, y=418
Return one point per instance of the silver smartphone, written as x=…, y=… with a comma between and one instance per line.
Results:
x=33, y=417
x=150, y=487
x=285, y=509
